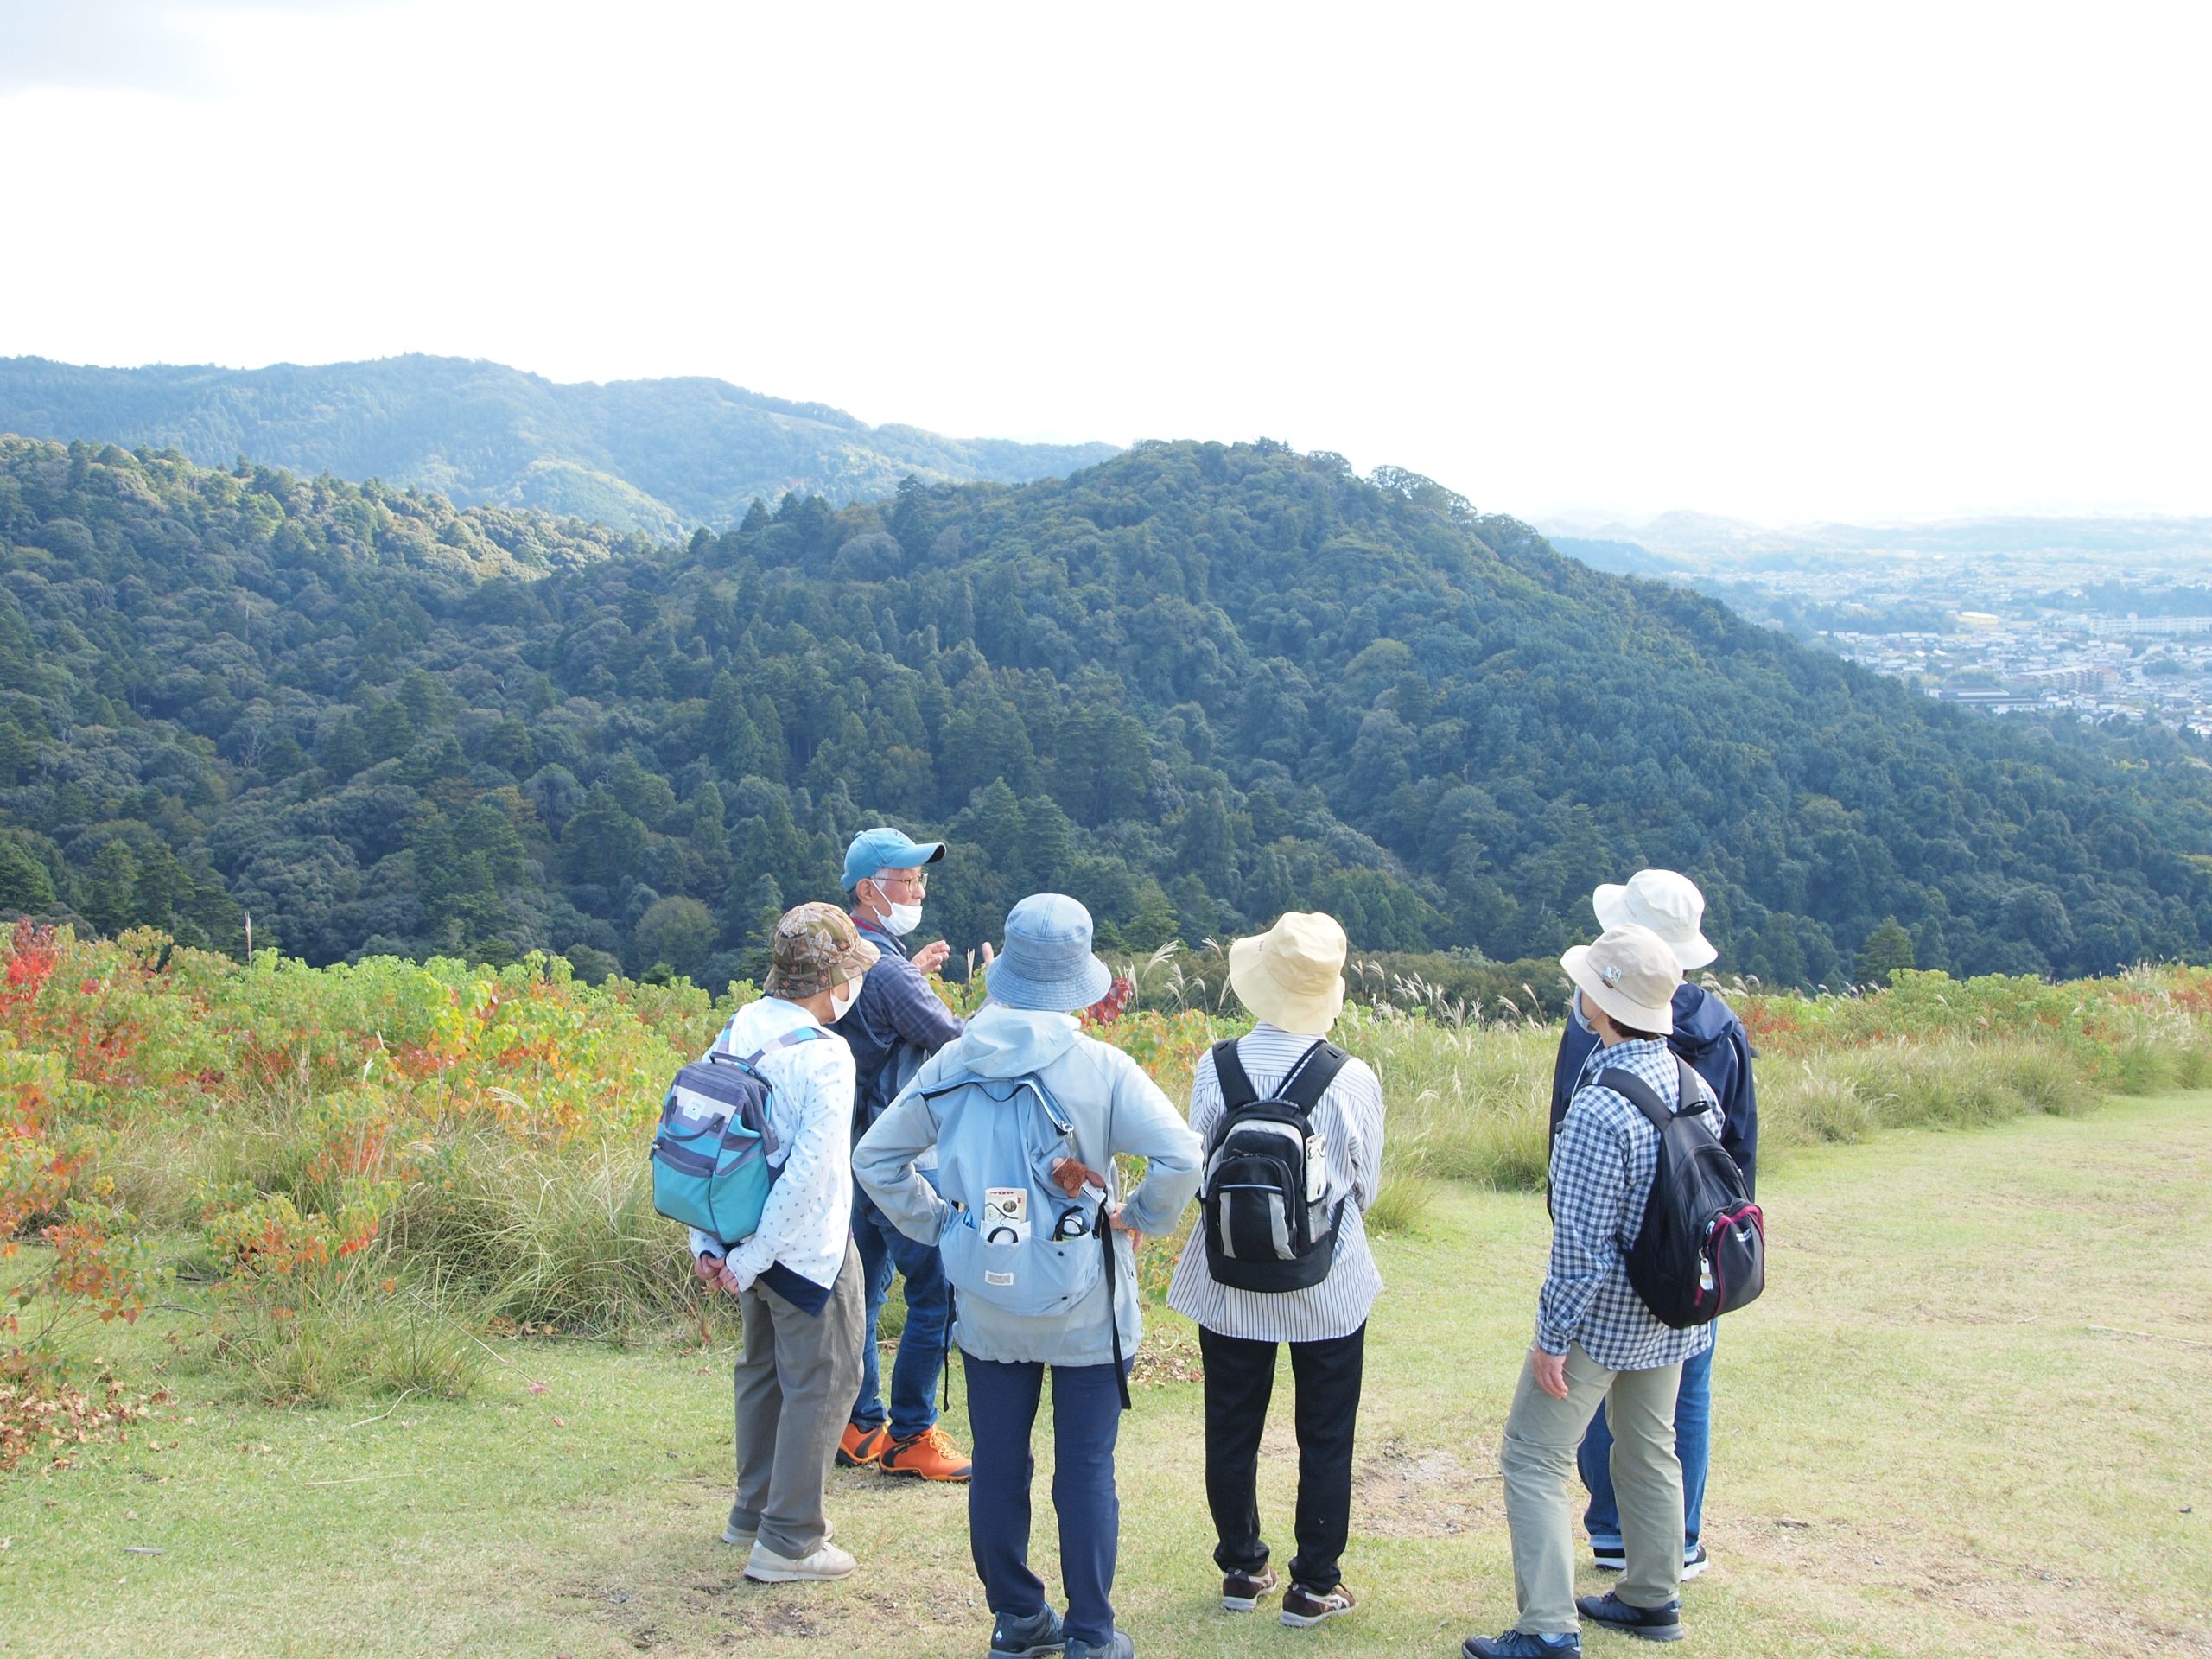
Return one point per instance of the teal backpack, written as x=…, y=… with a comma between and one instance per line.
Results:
x=715, y=1157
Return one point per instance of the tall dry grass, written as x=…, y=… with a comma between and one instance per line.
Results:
x=363, y=1169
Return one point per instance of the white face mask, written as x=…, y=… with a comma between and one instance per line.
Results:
x=902, y=920
x=840, y=1008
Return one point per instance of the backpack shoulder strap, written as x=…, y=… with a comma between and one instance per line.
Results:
x=1310, y=1079
x=1235, y=1083
x=1638, y=1094
x=801, y=1034
x=1690, y=1090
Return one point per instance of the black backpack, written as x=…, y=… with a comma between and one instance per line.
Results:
x=1265, y=1178
x=1702, y=1251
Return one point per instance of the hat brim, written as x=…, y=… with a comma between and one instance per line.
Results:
x=1633, y=1015
x=1069, y=994
x=910, y=857
x=1611, y=904
x=1308, y=1015
x=853, y=965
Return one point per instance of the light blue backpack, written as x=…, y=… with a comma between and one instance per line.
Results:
x=1014, y=1239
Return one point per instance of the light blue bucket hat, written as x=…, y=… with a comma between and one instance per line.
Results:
x=1046, y=963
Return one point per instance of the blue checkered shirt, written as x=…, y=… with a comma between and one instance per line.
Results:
x=1603, y=1165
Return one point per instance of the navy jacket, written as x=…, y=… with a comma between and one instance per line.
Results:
x=897, y=1024
x=1712, y=1039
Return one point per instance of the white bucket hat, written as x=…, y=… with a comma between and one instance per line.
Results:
x=1631, y=973
x=1670, y=904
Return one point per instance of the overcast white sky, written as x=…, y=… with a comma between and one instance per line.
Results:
x=1781, y=262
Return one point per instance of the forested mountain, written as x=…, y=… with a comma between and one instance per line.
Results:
x=659, y=456
x=1195, y=685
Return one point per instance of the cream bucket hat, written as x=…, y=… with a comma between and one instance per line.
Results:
x=1293, y=976
x=1631, y=973
x=1669, y=904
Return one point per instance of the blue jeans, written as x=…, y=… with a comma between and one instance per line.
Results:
x=1086, y=1420
x=1693, y=1442
x=929, y=1316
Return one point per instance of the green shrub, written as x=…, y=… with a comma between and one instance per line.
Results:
x=336, y=1337
x=1403, y=1203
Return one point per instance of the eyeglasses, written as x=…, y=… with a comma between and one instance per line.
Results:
x=912, y=881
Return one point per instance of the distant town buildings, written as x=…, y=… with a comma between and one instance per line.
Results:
x=2102, y=638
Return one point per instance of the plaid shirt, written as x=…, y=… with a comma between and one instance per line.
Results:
x=897, y=1023
x=1603, y=1165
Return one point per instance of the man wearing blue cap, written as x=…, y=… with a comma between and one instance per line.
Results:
x=897, y=1023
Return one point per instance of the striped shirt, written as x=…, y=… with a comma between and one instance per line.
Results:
x=1603, y=1166
x=1349, y=1118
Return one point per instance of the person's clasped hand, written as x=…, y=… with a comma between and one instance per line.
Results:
x=714, y=1270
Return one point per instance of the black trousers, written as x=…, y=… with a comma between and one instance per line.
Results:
x=1240, y=1382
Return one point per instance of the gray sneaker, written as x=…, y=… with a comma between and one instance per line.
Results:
x=1119, y=1647
x=1028, y=1638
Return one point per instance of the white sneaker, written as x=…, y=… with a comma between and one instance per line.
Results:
x=1693, y=1562
x=764, y=1565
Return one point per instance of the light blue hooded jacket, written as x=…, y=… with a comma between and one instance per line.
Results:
x=1114, y=1108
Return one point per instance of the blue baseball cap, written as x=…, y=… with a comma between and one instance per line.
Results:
x=887, y=849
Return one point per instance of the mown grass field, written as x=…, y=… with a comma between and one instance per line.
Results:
x=1968, y=1417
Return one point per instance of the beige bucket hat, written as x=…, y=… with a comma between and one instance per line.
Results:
x=1631, y=972
x=1293, y=976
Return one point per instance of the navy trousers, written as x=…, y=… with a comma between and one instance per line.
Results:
x=1002, y=1400
x=922, y=1344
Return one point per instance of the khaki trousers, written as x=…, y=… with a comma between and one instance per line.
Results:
x=1541, y=1434
x=795, y=1384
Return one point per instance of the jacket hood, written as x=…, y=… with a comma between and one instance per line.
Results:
x=1003, y=1042
x=1702, y=1018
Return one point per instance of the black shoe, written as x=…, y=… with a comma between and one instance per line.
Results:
x=1028, y=1638
x=1660, y=1624
x=1609, y=1558
x=1520, y=1644
x=1693, y=1562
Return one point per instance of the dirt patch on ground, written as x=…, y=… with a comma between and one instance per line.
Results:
x=2038, y=1599
x=1401, y=1491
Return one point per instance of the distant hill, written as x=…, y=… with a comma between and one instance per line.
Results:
x=1621, y=558
x=1708, y=542
x=1196, y=685
x=659, y=456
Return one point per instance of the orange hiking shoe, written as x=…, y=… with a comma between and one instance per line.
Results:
x=862, y=1447
x=930, y=1455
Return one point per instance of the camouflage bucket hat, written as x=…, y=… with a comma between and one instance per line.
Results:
x=816, y=948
